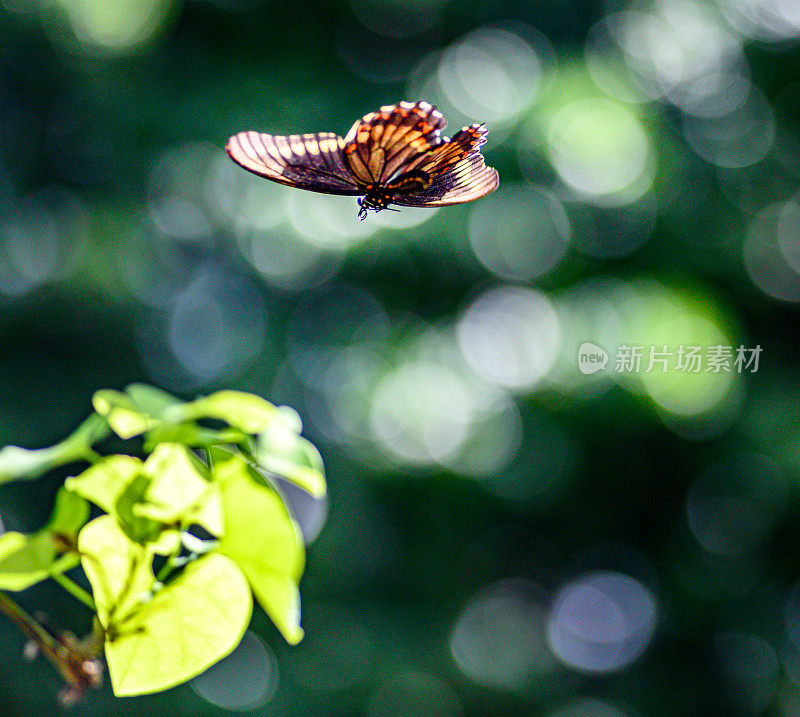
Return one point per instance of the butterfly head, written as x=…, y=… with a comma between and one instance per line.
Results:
x=374, y=200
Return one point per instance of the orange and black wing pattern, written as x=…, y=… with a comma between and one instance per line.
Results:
x=396, y=155
x=307, y=161
x=457, y=170
x=392, y=141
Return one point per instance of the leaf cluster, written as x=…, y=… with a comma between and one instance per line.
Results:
x=183, y=537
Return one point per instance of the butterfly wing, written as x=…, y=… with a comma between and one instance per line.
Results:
x=392, y=141
x=458, y=172
x=398, y=142
x=308, y=161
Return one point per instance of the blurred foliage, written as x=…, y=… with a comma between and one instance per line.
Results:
x=183, y=541
x=504, y=533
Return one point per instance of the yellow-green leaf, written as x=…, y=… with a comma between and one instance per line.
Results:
x=160, y=636
x=123, y=414
x=264, y=541
x=28, y=559
x=284, y=453
x=119, y=569
x=190, y=624
x=150, y=399
x=250, y=413
x=178, y=492
x=104, y=483
x=27, y=463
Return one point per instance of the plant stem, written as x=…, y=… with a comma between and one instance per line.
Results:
x=31, y=627
x=76, y=661
x=169, y=566
x=75, y=590
x=92, y=456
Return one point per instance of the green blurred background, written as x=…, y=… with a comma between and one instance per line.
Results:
x=504, y=533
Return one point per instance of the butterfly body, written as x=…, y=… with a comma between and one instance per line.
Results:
x=394, y=156
x=378, y=196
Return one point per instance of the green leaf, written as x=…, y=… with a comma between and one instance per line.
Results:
x=28, y=559
x=91, y=431
x=189, y=625
x=128, y=511
x=104, y=483
x=138, y=410
x=22, y=463
x=190, y=434
x=123, y=414
x=290, y=456
x=24, y=560
x=178, y=493
x=152, y=400
x=156, y=640
x=117, y=484
x=290, y=419
x=70, y=512
x=264, y=541
x=119, y=569
x=168, y=489
x=250, y=413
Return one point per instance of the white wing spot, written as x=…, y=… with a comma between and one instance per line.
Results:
x=296, y=143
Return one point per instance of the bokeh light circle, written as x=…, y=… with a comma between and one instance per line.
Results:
x=601, y=622
x=308, y=510
x=118, y=27
x=330, y=323
x=600, y=149
x=770, y=251
x=772, y=20
x=421, y=412
x=732, y=508
x=739, y=138
x=519, y=233
x=664, y=325
x=244, y=680
x=588, y=707
x=510, y=336
x=748, y=669
x=327, y=221
x=491, y=73
x=668, y=47
x=498, y=639
x=216, y=326
x=41, y=239
x=398, y=18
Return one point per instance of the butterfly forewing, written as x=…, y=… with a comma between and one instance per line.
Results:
x=308, y=161
x=393, y=140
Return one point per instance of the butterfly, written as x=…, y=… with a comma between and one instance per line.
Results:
x=396, y=155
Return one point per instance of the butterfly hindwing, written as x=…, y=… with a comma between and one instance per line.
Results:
x=392, y=141
x=457, y=170
x=308, y=161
